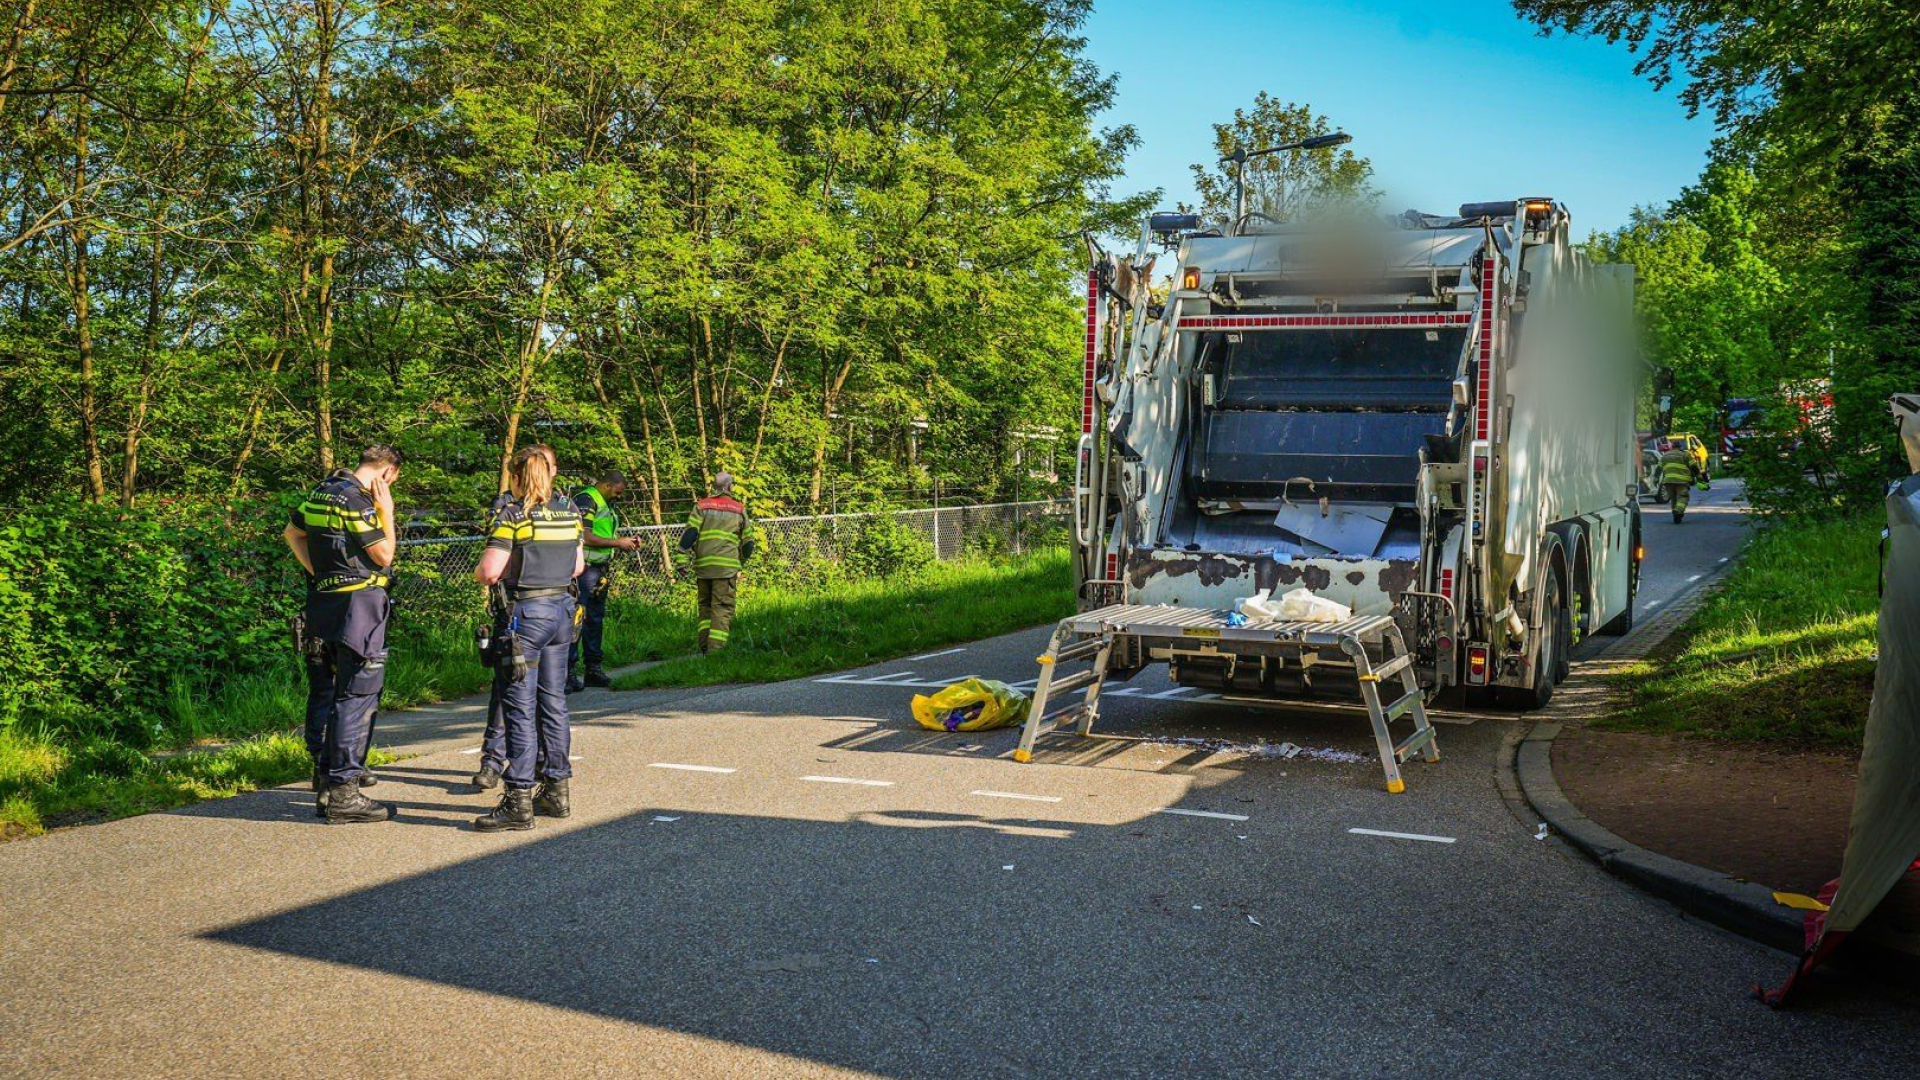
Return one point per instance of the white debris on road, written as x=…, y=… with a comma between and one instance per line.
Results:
x=1263, y=751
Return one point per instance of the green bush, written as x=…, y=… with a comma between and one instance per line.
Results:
x=106, y=608
x=880, y=546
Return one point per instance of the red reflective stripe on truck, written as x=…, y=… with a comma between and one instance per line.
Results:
x=1446, y=584
x=1113, y=566
x=1483, y=378
x=1093, y=349
x=1387, y=319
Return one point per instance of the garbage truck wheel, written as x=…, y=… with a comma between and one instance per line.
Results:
x=1545, y=665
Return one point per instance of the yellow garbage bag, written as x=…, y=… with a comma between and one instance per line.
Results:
x=970, y=705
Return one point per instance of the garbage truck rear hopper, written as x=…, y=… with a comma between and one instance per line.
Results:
x=1431, y=423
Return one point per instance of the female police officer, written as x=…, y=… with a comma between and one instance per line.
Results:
x=534, y=548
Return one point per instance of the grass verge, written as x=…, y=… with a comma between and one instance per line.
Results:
x=212, y=738
x=1781, y=654
x=785, y=634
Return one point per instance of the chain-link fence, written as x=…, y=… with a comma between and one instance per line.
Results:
x=796, y=550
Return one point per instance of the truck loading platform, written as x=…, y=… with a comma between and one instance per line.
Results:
x=1353, y=644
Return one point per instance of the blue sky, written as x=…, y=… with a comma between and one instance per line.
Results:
x=1453, y=100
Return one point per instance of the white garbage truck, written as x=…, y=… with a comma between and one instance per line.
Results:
x=1429, y=421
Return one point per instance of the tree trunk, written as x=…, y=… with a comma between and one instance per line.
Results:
x=251, y=427
x=829, y=397
x=653, y=460
x=10, y=62
x=766, y=400
x=80, y=238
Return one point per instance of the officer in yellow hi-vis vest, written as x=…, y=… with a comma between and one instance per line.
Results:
x=343, y=535
x=533, y=554
x=602, y=540
x=717, y=534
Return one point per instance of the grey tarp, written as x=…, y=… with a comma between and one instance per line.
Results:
x=1883, y=838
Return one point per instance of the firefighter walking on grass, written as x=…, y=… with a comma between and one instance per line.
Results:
x=717, y=534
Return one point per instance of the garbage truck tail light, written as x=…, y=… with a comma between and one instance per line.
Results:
x=1190, y=278
x=1113, y=566
x=1639, y=552
x=1477, y=665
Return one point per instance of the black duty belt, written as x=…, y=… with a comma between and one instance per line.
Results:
x=540, y=592
x=333, y=584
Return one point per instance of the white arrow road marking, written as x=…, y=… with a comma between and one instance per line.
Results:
x=688, y=768
x=1016, y=795
x=1403, y=836
x=848, y=780
x=1200, y=813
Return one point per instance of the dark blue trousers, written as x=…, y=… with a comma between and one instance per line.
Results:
x=537, y=739
x=593, y=622
x=345, y=675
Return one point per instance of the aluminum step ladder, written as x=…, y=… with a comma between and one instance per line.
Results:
x=1090, y=638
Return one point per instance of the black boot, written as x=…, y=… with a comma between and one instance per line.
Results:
x=514, y=812
x=345, y=804
x=319, y=788
x=575, y=683
x=597, y=676
x=553, y=800
x=487, y=778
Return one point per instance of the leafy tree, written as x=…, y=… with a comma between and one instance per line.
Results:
x=1278, y=186
x=1822, y=93
x=1814, y=66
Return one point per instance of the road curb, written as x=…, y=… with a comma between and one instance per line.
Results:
x=1744, y=907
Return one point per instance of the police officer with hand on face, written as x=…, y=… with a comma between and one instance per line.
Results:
x=343, y=535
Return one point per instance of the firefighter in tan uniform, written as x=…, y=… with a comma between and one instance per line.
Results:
x=717, y=534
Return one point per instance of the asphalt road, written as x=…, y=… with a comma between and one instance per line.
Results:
x=793, y=881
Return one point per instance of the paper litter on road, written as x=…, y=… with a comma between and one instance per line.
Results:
x=1254, y=921
x=1009, y=866
x=1542, y=834
x=666, y=817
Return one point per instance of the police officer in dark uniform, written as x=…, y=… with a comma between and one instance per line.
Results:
x=343, y=535
x=493, y=741
x=534, y=550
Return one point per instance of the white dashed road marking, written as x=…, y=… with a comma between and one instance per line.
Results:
x=1403, y=836
x=931, y=655
x=1016, y=795
x=894, y=679
x=1200, y=813
x=848, y=780
x=688, y=768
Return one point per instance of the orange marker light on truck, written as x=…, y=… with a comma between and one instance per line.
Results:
x=1190, y=278
x=1477, y=664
